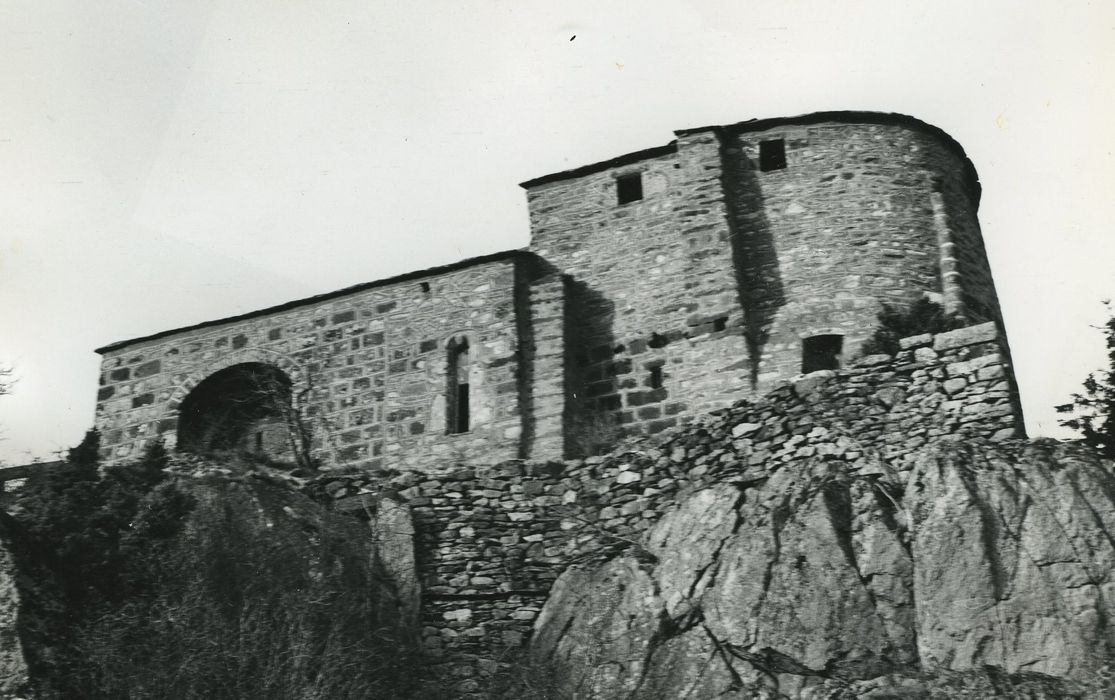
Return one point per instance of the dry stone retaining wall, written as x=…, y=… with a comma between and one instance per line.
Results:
x=490, y=541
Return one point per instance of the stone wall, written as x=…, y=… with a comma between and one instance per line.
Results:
x=634, y=310
x=368, y=365
x=654, y=315
x=491, y=540
x=863, y=214
x=704, y=288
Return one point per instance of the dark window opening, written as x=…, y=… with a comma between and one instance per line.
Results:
x=259, y=441
x=462, y=409
x=821, y=352
x=719, y=324
x=655, y=378
x=425, y=286
x=629, y=188
x=772, y=155
x=457, y=396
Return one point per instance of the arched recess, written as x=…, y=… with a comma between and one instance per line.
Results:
x=244, y=407
x=187, y=382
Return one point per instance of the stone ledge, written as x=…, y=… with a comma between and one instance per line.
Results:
x=961, y=337
x=915, y=341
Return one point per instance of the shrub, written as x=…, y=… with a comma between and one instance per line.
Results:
x=923, y=316
x=80, y=541
x=139, y=584
x=1093, y=411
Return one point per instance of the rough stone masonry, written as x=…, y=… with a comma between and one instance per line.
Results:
x=490, y=541
x=658, y=286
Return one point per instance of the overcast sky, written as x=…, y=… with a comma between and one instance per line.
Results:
x=164, y=163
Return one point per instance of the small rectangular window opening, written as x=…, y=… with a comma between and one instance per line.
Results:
x=655, y=378
x=629, y=188
x=821, y=352
x=772, y=155
x=425, y=287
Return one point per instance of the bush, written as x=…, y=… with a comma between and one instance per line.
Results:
x=923, y=316
x=80, y=542
x=1093, y=411
x=139, y=584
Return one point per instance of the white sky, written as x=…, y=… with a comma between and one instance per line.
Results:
x=164, y=163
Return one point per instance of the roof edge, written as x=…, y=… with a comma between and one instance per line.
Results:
x=625, y=159
x=855, y=117
x=838, y=116
x=505, y=255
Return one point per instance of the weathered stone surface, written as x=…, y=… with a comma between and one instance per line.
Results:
x=617, y=602
x=1014, y=561
x=982, y=333
x=371, y=364
x=393, y=542
x=494, y=538
x=990, y=573
x=13, y=668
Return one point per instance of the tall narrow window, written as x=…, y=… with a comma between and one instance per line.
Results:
x=821, y=352
x=457, y=394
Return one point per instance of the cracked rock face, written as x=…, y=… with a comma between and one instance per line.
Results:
x=990, y=572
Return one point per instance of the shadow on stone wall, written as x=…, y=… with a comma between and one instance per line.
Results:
x=530, y=271
x=593, y=405
x=758, y=276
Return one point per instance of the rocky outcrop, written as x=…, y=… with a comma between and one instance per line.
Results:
x=986, y=570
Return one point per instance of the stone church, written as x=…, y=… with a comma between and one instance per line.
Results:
x=657, y=285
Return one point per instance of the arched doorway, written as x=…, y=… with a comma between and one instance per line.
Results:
x=244, y=408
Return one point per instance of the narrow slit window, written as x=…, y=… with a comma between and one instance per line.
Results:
x=458, y=389
x=821, y=352
x=655, y=379
x=629, y=188
x=772, y=155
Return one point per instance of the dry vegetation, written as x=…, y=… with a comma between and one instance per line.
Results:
x=137, y=584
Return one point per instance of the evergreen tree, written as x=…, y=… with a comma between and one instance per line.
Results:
x=1093, y=411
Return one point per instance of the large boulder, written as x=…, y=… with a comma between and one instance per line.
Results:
x=990, y=572
x=1014, y=560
